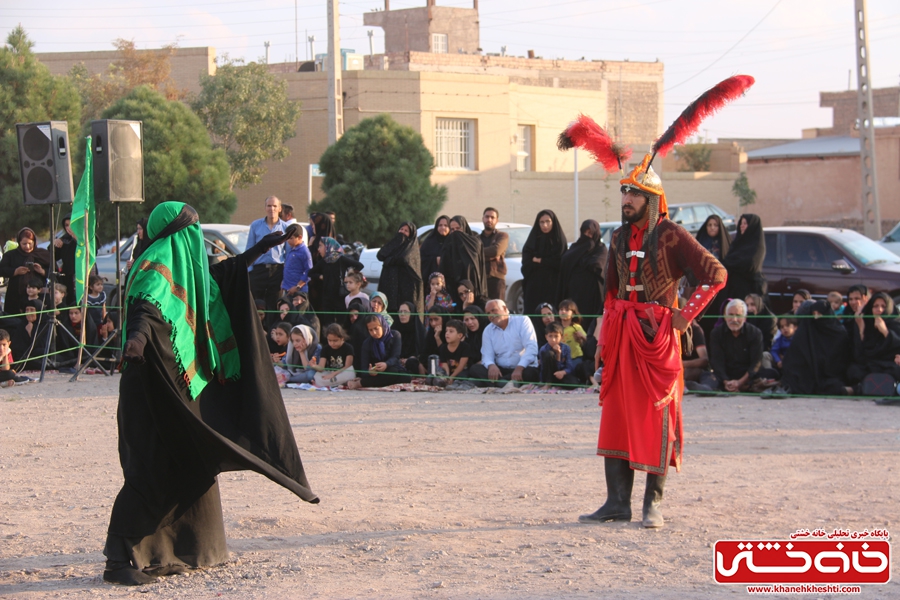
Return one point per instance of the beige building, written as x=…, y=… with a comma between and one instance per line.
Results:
x=490, y=121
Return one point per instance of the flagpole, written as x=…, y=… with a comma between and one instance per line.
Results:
x=84, y=295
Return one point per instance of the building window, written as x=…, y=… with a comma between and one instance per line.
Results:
x=439, y=43
x=454, y=144
x=524, y=148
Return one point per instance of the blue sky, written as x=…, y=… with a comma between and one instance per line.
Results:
x=794, y=48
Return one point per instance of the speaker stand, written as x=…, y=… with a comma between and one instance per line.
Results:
x=51, y=295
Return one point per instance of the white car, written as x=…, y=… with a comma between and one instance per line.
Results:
x=892, y=240
x=518, y=233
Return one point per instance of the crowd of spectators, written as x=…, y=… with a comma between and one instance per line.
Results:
x=440, y=311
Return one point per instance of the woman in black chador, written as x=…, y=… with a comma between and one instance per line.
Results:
x=581, y=272
x=463, y=258
x=875, y=340
x=541, y=261
x=197, y=397
x=401, y=269
x=817, y=358
x=744, y=261
x=431, y=248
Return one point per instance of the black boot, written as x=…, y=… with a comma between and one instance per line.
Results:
x=619, y=481
x=653, y=495
x=123, y=573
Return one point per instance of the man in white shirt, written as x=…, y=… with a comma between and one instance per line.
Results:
x=509, y=349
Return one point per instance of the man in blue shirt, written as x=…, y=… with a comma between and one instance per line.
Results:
x=267, y=271
x=509, y=350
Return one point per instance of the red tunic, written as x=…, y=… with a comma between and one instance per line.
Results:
x=641, y=420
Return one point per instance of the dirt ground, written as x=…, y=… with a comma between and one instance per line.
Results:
x=450, y=495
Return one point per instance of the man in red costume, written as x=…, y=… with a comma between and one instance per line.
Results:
x=641, y=421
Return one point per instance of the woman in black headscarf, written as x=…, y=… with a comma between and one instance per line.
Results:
x=401, y=269
x=714, y=237
x=302, y=313
x=541, y=261
x=20, y=266
x=875, y=340
x=744, y=260
x=322, y=227
x=817, y=358
x=475, y=320
x=430, y=251
x=411, y=329
x=463, y=258
x=581, y=272
x=66, y=245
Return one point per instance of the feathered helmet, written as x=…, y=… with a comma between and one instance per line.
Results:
x=585, y=133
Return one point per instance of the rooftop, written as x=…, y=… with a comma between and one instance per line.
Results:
x=813, y=147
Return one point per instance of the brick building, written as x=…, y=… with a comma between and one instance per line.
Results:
x=817, y=180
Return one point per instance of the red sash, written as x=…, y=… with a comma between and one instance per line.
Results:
x=642, y=387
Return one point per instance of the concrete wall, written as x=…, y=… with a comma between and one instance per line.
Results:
x=410, y=29
x=809, y=190
x=885, y=103
x=187, y=63
x=725, y=158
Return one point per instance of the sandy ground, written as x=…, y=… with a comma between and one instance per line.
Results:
x=450, y=496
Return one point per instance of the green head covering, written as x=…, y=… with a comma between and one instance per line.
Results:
x=173, y=275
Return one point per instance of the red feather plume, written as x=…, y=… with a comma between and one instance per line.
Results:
x=585, y=133
x=706, y=105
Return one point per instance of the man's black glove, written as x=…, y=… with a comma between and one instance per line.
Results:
x=134, y=349
x=268, y=242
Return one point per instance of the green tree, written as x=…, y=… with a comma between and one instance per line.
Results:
x=179, y=163
x=248, y=114
x=741, y=188
x=694, y=157
x=29, y=93
x=131, y=68
x=377, y=176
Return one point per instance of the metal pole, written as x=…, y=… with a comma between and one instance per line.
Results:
x=84, y=315
x=309, y=192
x=871, y=212
x=52, y=277
x=335, y=87
x=576, y=193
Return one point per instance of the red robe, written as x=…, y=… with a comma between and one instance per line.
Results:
x=641, y=421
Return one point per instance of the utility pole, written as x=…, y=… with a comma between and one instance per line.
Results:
x=266, y=44
x=871, y=212
x=296, y=40
x=335, y=88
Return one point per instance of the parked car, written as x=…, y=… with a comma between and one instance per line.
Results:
x=220, y=239
x=892, y=240
x=518, y=233
x=692, y=215
x=824, y=259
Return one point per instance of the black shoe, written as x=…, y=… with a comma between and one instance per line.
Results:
x=163, y=571
x=653, y=494
x=619, y=482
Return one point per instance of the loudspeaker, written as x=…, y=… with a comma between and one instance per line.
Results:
x=44, y=162
x=118, y=160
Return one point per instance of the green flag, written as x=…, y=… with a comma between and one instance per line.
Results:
x=84, y=225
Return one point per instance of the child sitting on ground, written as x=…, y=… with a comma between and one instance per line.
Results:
x=438, y=296
x=8, y=377
x=334, y=366
x=573, y=335
x=454, y=354
x=788, y=327
x=556, y=359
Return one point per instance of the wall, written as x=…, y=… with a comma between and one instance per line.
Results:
x=725, y=158
x=187, y=64
x=410, y=29
x=809, y=190
x=885, y=103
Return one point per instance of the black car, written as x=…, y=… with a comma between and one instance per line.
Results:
x=824, y=259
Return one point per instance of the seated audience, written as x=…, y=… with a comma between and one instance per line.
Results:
x=508, y=349
x=875, y=340
x=412, y=331
x=759, y=315
x=455, y=353
x=335, y=364
x=816, y=361
x=735, y=352
x=557, y=366
x=302, y=356
x=837, y=304
x=379, y=365
x=788, y=327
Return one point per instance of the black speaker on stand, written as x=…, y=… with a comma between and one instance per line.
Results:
x=118, y=149
x=45, y=165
